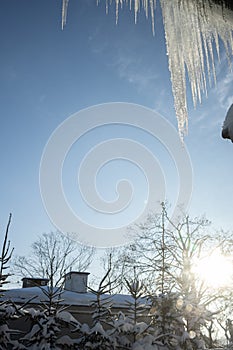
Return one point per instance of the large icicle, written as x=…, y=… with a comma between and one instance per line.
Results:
x=191, y=28
x=190, y=31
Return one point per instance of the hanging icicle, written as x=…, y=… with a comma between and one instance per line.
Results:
x=191, y=28
x=64, y=13
x=145, y=4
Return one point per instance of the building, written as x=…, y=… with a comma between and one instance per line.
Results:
x=75, y=297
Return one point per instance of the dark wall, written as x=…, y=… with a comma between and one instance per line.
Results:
x=227, y=3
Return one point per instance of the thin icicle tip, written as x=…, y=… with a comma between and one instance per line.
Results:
x=64, y=13
x=145, y=4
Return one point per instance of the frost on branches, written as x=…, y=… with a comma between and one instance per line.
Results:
x=191, y=28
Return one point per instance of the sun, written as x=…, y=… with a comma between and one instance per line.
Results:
x=215, y=270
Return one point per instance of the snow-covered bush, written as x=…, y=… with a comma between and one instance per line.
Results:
x=134, y=330
x=49, y=330
x=177, y=322
x=51, y=325
x=95, y=338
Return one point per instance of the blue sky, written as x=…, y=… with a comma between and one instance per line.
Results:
x=48, y=74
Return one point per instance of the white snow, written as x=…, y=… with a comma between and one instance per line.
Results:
x=35, y=329
x=191, y=31
x=65, y=340
x=98, y=328
x=67, y=317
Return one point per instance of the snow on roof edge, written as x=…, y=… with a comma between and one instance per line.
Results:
x=23, y=295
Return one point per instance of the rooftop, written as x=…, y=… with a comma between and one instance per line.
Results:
x=35, y=295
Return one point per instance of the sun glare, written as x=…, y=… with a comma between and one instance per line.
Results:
x=215, y=270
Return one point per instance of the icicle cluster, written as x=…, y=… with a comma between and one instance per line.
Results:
x=191, y=28
x=145, y=4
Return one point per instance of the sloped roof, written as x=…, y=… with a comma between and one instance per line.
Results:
x=35, y=295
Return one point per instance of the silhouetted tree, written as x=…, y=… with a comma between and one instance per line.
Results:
x=53, y=254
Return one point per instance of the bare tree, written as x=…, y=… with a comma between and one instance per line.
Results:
x=8, y=309
x=164, y=254
x=52, y=254
x=6, y=255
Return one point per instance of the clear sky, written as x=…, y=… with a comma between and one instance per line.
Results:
x=48, y=74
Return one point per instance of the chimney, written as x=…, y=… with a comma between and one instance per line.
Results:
x=34, y=282
x=76, y=281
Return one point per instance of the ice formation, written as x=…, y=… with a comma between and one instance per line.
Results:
x=64, y=12
x=227, y=131
x=191, y=29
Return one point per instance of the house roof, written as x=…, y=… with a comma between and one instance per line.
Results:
x=35, y=295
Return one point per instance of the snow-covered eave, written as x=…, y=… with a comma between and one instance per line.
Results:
x=35, y=295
